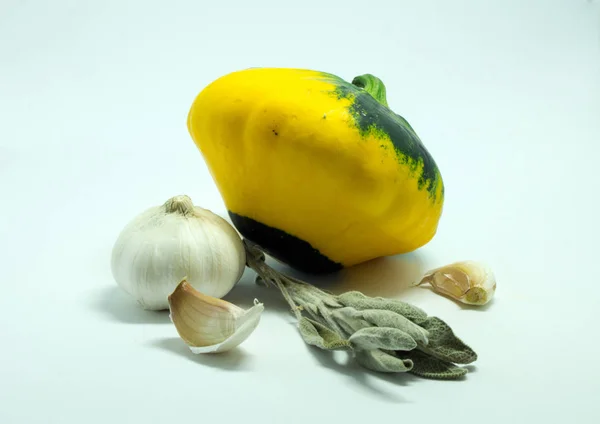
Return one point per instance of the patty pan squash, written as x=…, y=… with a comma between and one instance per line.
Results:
x=318, y=172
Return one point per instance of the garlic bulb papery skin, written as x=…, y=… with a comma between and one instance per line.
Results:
x=469, y=282
x=210, y=325
x=177, y=240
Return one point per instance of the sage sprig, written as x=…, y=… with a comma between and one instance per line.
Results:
x=384, y=335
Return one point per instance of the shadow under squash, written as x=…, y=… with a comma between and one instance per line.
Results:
x=116, y=305
x=386, y=276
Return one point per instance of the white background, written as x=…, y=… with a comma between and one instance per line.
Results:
x=93, y=103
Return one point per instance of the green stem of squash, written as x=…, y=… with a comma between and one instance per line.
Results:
x=372, y=85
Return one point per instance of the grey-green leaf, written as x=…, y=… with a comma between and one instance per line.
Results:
x=361, y=302
x=317, y=334
x=430, y=367
x=377, y=360
x=385, y=338
x=326, y=296
x=444, y=344
x=386, y=318
x=349, y=320
x=311, y=308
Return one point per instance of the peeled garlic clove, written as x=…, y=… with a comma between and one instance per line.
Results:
x=208, y=324
x=469, y=282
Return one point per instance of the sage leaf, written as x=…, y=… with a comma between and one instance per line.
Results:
x=331, y=301
x=385, y=338
x=311, y=309
x=386, y=318
x=380, y=361
x=360, y=302
x=317, y=334
x=326, y=296
x=381, y=333
x=349, y=320
x=430, y=367
x=444, y=344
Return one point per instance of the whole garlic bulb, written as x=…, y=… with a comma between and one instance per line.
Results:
x=177, y=240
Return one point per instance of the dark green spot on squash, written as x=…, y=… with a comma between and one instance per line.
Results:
x=372, y=118
x=284, y=247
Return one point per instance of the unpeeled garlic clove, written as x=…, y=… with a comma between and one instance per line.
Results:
x=208, y=324
x=469, y=282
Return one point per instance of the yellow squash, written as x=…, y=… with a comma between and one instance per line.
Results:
x=317, y=171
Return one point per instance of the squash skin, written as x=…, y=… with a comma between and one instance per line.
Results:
x=314, y=169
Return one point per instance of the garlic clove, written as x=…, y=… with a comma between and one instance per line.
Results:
x=246, y=324
x=469, y=282
x=208, y=324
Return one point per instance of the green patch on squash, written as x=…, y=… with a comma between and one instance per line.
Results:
x=372, y=117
